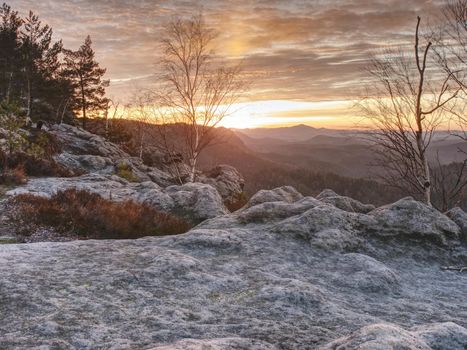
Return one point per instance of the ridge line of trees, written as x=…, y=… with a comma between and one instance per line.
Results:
x=41, y=78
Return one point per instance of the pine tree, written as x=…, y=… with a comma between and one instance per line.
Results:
x=10, y=23
x=89, y=87
x=40, y=60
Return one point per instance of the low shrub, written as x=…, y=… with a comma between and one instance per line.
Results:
x=12, y=176
x=124, y=171
x=34, y=165
x=88, y=215
x=42, y=144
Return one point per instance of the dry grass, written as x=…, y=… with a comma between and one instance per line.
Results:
x=78, y=212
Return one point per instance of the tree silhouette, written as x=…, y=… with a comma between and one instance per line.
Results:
x=86, y=76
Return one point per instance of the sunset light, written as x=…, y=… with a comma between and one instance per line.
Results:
x=233, y=175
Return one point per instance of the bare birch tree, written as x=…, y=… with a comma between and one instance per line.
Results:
x=197, y=92
x=140, y=110
x=451, y=52
x=406, y=103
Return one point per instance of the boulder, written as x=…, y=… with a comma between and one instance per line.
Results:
x=227, y=180
x=274, y=211
x=75, y=140
x=281, y=194
x=446, y=335
x=460, y=218
x=379, y=337
x=367, y=274
x=85, y=163
x=217, y=344
x=344, y=203
x=412, y=219
x=84, y=152
x=322, y=217
x=439, y=336
x=194, y=201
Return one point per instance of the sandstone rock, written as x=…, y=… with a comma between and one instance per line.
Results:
x=85, y=163
x=447, y=335
x=344, y=203
x=273, y=211
x=281, y=282
x=413, y=219
x=368, y=274
x=439, y=336
x=460, y=218
x=286, y=194
x=217, y=344
x=77, y=141
x=379, y=337
x=227, y=180
x=196, y=201
x=84, y=152
x=322, y=217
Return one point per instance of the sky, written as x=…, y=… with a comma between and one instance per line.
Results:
x=305, y=57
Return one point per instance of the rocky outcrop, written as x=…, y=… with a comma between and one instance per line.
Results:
x=112, y=173
x=317, y=277
x=281, y=194
x=227, y=180
x=284, y=272
x=387, y=336
x=460, y=218
x=77, y=141
x=410, y=217
x=87, y=153
x=344, y=203
x=195, y=202
x=217, y=344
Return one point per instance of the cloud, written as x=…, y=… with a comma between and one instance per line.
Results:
x=298, y=50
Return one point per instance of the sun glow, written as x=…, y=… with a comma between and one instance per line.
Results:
x=257, y=114
x=276, y=113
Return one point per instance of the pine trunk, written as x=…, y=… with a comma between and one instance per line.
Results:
x=83, y=103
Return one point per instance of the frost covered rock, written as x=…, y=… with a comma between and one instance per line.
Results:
x=85, y=163
x=84, y=152
x=381, y=337
x=298, y=282
x=320, y=218
x=460, y=218
x=217, y=344
x=344, y=203
x=195, y=202
x=447, y=335
x=78, y=141
x=368, y=274
x=277, y=210
x=410, y=218
x=227, y=180
x=439, y=336
x=281, y=194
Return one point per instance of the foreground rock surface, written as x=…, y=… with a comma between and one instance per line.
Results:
x=314, y=276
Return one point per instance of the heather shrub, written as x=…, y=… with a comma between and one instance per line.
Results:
x=12, y=176
x=124, y=171
x=33, y=165
x=88, y=215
